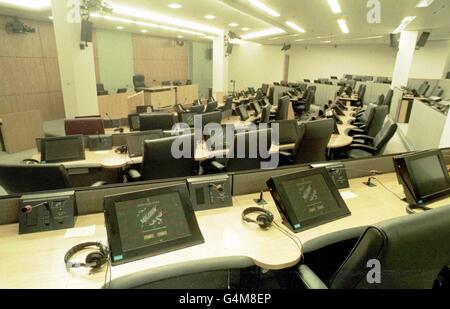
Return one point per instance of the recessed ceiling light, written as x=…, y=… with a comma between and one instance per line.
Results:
x=260, y=34
x=144, y=31
x=233, y=24
x=295, y=27
x=325, y=42
x=299, y=40
x=245, y=29
x=264, y=8
x=179, y=36
x=335, y=7
x=175, y=6
x=51, y=17
x=424, y=3
x=343, y=25
x=120, y=28
x=210, y=16
x=405, y=22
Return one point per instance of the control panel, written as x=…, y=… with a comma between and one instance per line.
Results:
x=46, y=212
x=210, y=192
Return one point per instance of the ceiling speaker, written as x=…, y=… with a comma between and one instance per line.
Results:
x=179, y=43
x=394, y=40
x=286, y=47
x=423, y=39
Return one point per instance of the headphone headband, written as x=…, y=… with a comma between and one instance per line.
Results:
x=265, y=213
x=103, y=251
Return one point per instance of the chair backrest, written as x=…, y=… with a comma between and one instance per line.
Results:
x=249, y=158
x=377, y=121
x=228, y=106
x=84, y=126
x=213, y=117
x=412, y=251
x=199, y=109
x=166, y=83
x=423, y=88
x=122, y=90
x=271, y=95
x=283, y=108
x=100, y=88
x=256, y=107
x=362, y=93
x=384, y=136
x=243, y=112
x=313, y=141
x=17, y=179
x=437, y=92
x=139, y=81
x=380, y=99
x=211, y=106
x=367, y=116
x=159, y=163
x=388, y=98
x=156, y=121
x=265, y=89
x=265, y=113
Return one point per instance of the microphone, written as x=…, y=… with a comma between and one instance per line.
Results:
x=112, y=122
x=29, y=208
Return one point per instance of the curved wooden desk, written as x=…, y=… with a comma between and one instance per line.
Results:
x=269, y=249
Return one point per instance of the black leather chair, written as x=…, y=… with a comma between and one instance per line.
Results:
x=437, y=92
x=361, y=94
x=211, y=107
x=304, y=105
x=283, y=109
x=372, y=146
x=199, y=109
x=101, y=90
x=25, y=178
x=249, y=158
x=265, y=115
x=388, y=98
x=256, y=106
x=159, y=163
x=380, y=101
x=166, y=83
x=139, y=82
x=227, y=109
x=412, y=250
x=374, y=123
x=242, y=111
x=423, y=88
x=312, y=143
x=156, y=121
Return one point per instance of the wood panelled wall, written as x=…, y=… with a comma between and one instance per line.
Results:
x=29, y=71
x=159, y=59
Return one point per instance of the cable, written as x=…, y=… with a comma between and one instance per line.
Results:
x=398, y=196
x=295, y=239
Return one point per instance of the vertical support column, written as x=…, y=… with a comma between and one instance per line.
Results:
x=220, y=65
x=77, y=67
x=405, y=56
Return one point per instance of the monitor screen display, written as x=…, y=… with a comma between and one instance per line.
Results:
x=428, y=175
x=151, y=220
x=148, y=223
x=134, y=122
x=307, y=199
x=135, y=141
x=70, y=148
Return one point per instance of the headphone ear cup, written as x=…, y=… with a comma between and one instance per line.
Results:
x=95, y=258
x=263, y=221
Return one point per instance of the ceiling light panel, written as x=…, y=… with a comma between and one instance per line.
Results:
x=263, y=7
x=343, y=25
x=261, y=34
x=424, y=3
x=295, y=27
x=335, y=6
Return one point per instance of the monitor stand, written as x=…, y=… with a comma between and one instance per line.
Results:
x=411, y=209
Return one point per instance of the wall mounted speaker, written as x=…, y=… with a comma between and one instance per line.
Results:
x=394, y=40
x=423, y=39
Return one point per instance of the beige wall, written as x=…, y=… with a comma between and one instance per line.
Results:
x=315, y=62
x=159, y=59
x=29, y=72
x=430, y=62
x=251, y=65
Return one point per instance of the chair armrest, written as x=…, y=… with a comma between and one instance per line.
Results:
x=358, y=124
x=134, y=174
x=366, y=138
x=355, y=131
x=309, y=279
x=285, y=154
x=369, y=149
x=218, y=165
x=99, y=184
x=30, y=161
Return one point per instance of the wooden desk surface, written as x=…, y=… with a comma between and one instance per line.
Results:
x=36, y=260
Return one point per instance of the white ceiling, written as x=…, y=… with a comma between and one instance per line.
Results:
x=315, y=16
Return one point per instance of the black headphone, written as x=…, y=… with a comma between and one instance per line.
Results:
x=94, y=259
x=264, y=220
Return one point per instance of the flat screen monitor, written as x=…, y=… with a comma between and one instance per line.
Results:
x=307, y=199
x=133, y=122
x=135, y=141
x=214, y=117
x=149, y=223
x=424, y=176
x=62, y=149
x=187, y=118
x=156, y=121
